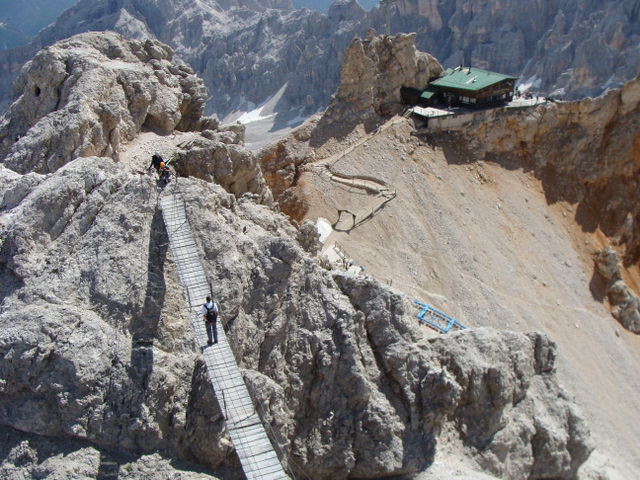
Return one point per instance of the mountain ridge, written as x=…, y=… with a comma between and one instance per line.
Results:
x=557, y=49
x=97, y=341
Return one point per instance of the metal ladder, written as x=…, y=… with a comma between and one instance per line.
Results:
x=257, y=456
x=436, y=319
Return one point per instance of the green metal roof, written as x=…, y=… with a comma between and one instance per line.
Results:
x=428, y=93
x=469, y=78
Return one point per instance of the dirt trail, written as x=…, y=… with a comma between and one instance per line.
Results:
x=379, y=191
x=481, y=243
x=136, y=155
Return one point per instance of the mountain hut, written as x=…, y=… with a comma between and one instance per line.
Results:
x=473, y=87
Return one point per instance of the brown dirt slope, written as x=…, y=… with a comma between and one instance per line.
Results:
x=481, y=242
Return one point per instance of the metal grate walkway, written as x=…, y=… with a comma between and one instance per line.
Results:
x=257, y=456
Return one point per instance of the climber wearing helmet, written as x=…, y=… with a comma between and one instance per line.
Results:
x=164, y=173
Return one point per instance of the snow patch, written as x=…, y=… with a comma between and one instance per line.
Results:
x=253, y=116
x=263, y=111
x=324, y=228
x=532, y=82
x=610, y=82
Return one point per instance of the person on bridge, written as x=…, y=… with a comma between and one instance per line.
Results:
x=156, y=160
x=209, y=312
x=164, y=173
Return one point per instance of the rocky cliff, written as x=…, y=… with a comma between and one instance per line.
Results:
x=374, y=70
x=585, y=153
x=247, y=51
x=97, y=359
x=568, y=48
x=71, y=106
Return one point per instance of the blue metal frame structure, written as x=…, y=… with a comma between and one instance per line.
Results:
x=435, y=314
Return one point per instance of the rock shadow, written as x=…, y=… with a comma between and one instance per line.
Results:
x=109, y=468
x=9, y=281
x=144, y=325
x=339, y=129
x=24, y=450
x=598, y=286
x=456, y=151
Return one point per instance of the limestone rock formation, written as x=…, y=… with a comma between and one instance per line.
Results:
x=87, y=95
x=570, y=48
x=625, y=303
x=104, y=354
x=585, y=152
x=374, y=69
x=88, y=340
x=97, y=355
x=246, y=51
x=231, y=44
x=218, y=156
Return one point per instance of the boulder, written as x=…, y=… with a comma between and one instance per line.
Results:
x=215, y=157
x=89, y=94
x=624, y=301
x=373, y=71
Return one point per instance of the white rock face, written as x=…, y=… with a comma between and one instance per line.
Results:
x=96, y=346
x=246, y=51
x=376, y=68
x=87, y=95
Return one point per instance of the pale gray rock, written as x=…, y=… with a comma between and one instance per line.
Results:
x=538, y=437
x=624, y=301
x=246, y=51
x=96, y=345
x=568, y=48
x=216, y=157
x=375, y=69
x=87, y=95
x=309, y=237
x=242, y=49
x=100, y=354
x=16, y=187
x=26, y=456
